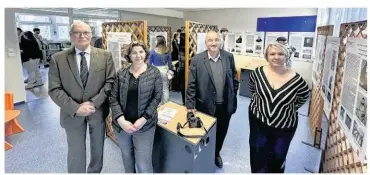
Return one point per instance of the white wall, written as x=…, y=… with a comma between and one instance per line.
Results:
x=244, y=19
x=13, y=65
x=175, y=23
x=153, y=20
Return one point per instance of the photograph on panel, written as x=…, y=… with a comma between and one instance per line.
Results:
x=308, y=42
x=358, y=133
x=363, y=75
x=348, y=121
x=361, y=107
x=342, y=113
x=334, y=56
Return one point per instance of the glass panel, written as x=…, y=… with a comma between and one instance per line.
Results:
x=63, y=32
x=45, y=31
x=26, y=28
x=62, y=19
x=33, y=18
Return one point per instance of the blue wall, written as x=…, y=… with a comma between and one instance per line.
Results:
x=287, y=24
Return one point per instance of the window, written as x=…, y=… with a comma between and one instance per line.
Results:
x=63, y=32
x=27, y=27
x=33, y=18
x=45, y=31
x=62, y=20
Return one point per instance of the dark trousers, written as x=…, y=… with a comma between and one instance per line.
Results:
x=76, y=137
x=182, y=83
x=223, y=120
x=268, y=146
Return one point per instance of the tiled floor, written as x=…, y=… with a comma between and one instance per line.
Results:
x=42, y=148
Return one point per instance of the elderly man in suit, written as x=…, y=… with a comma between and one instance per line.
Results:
x=213, y=86
x=80, y=81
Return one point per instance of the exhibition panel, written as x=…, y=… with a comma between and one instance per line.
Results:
x=191, y=41
x=154, y=31
x=317, y=102
x=346, y=142
x=115, y=38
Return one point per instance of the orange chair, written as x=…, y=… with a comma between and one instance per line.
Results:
x=11, y=123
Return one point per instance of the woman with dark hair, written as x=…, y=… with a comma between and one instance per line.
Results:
x=135, y=96
x=31, y=55
x=161, y=58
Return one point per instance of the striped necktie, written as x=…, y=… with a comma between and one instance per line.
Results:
x=84, y=71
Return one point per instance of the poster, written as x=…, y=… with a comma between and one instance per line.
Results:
x=224, y=41
x=231, y=42
x=353, y=103
x=117, y=43
x=303, y=43
x=329, y=71
x=272, y=36
x=318, y=62
x=239, y=40
x=152, y=38
x=254, y=43
x=201, y=42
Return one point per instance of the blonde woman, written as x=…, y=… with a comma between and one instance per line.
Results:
x=161, y=58
x=277, y=94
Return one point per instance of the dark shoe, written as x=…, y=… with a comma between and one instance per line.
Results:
x=218, y=162
x=46, y=66
x=26, y=80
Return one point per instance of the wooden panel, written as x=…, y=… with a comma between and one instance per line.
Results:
x=316, y=105
x=161, y=29
x=138, y=30
x=191, y=45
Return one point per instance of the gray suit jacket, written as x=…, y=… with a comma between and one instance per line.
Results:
x=66, y=89
x=201, y=92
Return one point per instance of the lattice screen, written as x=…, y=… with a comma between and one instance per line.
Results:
x=317, y=102
x=191, y=30
x=339, y=156
x=138, y=30
x=161, y=29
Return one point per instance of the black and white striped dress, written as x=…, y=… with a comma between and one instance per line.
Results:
x=277, y=108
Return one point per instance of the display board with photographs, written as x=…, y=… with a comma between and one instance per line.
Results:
x=239, y=40
x=231, y=42
x=303, y=43
x=117, y=43
x=254, y=43
x=318, y=61
x=329, y=71
x=153, y=38
x=272, y=36
x=353, y=103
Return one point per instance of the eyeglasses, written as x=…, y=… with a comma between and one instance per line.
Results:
x=78, y=34
x=215, y=40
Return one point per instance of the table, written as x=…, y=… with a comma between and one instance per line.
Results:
x=175, y=154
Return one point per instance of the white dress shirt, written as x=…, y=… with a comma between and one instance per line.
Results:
x=87, y=56
x=214, y=59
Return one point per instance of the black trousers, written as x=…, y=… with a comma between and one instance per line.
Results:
x=268, y=146
x=223, y=120
x=182, y=83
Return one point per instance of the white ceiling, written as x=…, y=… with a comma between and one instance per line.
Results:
x=193, y=9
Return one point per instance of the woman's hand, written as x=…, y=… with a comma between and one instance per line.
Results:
x=126, y=125
x=140, y=123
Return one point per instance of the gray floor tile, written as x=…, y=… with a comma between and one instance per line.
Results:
x=43, y=147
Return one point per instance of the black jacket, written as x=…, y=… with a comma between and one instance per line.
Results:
x=175, y=50
x=201, y=89
x=149, y=97
x=30, y=49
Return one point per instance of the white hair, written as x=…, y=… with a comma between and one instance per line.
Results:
x=78, y=22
